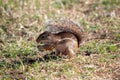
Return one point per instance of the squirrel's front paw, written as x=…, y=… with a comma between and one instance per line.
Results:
x=40, y=48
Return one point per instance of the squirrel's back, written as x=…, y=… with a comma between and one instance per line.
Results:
x=66, y=26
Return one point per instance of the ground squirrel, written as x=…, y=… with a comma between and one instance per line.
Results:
x=63, y=36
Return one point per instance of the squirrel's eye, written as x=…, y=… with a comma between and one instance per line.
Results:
x=42, y=36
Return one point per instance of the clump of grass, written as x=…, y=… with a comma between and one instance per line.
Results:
x=110, y=3
x=98, y=48
x=107, y=57
x=13, y=50
x=65, y=3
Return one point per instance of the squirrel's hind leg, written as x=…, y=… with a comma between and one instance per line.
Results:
x=70, y=52
x=65, y=53
x=66, y=48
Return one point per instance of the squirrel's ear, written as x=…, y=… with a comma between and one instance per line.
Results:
x=46, y=32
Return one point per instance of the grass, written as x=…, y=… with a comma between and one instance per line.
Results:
x=21, y=21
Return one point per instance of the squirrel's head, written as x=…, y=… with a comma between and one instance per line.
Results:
x=46, y=40
x=43, y=37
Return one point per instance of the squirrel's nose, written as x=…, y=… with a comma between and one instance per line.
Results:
x=40, y=48
x=37, y=40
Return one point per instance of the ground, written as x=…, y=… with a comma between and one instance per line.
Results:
x=21, y=21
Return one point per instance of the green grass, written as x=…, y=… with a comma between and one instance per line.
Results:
x=21, y=21
x=95, y=47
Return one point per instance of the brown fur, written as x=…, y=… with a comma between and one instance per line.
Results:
x=64, y=43
x=66, y=26
x=62, y=36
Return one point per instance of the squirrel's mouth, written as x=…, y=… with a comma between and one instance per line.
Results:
x=40, y=46
x=43, y=44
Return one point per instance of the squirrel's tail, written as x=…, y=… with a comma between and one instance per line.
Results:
x=66, y=26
